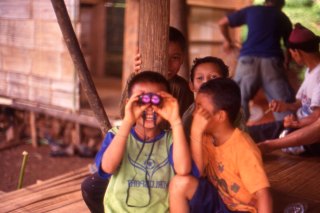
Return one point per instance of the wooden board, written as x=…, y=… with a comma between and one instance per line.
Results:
x=33, y=54
x=293, y=179
x=18, y=9
x=17, y=33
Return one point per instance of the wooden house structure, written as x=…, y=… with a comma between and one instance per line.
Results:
x=37, y=75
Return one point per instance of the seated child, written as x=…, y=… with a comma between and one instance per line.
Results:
x=304, y=49
x=139, y=156
x=179, y=88
x=202, y=70
x=229, y=165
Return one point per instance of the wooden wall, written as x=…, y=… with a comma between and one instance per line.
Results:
x=35, y=65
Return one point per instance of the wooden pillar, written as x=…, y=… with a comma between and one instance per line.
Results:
x=153, y=35
x=130, y=38
x=178, y=19
x=98, y=39
x=33, y=129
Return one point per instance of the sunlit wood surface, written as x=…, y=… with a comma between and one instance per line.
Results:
x=293, y=179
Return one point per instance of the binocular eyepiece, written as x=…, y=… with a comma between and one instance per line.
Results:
x=150, y=98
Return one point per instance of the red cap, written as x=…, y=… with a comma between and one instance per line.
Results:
x=301, y=34
x=304, y=39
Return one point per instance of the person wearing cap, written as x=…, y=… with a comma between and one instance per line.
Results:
x=261, y=61
x=304, y=48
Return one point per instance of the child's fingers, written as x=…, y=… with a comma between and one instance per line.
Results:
x=134, y=98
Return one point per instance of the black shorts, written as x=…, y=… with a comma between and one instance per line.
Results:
x=207, y=199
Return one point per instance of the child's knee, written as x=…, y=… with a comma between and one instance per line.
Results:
x=180, y=184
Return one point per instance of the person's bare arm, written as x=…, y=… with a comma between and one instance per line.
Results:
x=281, y=106
x=264, y=200
x=223, y=26
x=303, y=121
x=304, y=136
x=181, y=154
x=200, y=120
x=113, y=155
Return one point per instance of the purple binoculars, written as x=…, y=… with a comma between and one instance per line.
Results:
x=150, y=98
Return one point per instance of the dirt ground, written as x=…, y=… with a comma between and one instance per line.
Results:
x=40, y=165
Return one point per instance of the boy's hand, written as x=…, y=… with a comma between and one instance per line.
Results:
x=291, y=121
x=200, y=120
x=133, y=110
x=277, y=106
x=137, y=63
x=169, y=109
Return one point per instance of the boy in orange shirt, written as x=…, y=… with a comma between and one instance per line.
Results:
x=229, y=164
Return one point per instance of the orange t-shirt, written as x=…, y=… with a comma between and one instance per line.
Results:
x=235, y=168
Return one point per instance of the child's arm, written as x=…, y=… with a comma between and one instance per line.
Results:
x=303, y=136
x=264, y=200
x=181, y=154
x=112, y=157
x=200, y=120
x=281, y=106
x=292, y=122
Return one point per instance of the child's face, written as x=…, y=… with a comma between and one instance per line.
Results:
x=175, y=59
x=148, y=87
x=203, y=73
x=296, y=56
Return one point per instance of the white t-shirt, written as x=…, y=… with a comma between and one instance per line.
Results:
x=309, y=92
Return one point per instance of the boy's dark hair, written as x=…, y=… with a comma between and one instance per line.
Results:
x=225, y=95
x=276, y=3
x=176, y=36
x=224, y=69
x=150, y=77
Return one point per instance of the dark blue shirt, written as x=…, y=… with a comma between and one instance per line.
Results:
x=267, y=25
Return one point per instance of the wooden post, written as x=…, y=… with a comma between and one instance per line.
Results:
x=98, y=39
x=178, y=19
x=153, y=35
x=130, y=39
x=33, y=129
x=80, y=64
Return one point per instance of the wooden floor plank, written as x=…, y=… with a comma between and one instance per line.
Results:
x=293, y=179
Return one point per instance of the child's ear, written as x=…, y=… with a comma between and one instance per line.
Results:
x=222, y=116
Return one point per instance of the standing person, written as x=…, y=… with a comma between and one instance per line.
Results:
x=304, y=48
x=229, y=166
x=261, y=58
x=202, y=70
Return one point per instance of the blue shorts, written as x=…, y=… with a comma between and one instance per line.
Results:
x=207, y=199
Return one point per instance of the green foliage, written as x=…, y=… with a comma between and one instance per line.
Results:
x=299, y=3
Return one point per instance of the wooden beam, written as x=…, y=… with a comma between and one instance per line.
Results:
x=130, y=39
x=98, y=39
x=33, y=129
x=85, y=117
x=153, y=35
x=91, y=1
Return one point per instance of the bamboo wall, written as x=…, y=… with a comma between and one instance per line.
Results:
x=35, y=65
